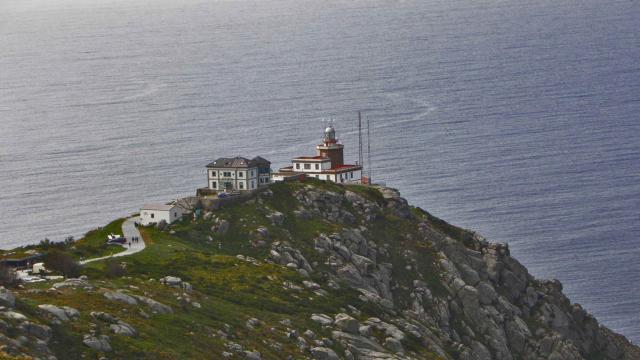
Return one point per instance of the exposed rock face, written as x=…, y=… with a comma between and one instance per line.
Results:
x=326, y=204
x=374, y=279
x=484, y=306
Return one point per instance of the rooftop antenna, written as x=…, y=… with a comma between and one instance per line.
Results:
x=325, y=124
x=360, y=155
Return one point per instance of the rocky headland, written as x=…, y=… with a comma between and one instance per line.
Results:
x=307, y=270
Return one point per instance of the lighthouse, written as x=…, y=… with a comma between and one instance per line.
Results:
x=328, y=163
x=330, y=148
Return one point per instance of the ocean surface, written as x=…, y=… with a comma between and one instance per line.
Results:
x=518, y=119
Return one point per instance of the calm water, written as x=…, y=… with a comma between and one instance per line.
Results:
x=515, y=118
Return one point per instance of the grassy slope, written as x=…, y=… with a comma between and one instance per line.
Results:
x=230, y=290
x=94, y=243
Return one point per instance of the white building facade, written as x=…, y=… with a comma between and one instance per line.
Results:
x=154, y=213
x=238, y=174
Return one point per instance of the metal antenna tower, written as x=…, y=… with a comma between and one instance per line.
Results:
x=369, y=167
x=360, y=155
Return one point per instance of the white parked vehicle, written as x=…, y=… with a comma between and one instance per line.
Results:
x=38, y=268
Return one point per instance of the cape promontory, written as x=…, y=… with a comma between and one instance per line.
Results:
x=300, y=270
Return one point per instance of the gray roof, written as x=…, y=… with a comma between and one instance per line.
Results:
x=157, y=207
x=238, y=162
x=261, y=161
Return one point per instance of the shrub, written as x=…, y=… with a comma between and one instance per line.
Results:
x=113, y=269
x=8, y=277
x=62, y=262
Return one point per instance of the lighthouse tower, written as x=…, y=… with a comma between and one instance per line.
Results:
x=330, y=148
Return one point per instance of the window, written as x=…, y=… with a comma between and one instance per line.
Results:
x=154, y=215
x=351, y=175
x=317, y=166
x=317, y=176
x=213, y=173
x=175, y=214
x=241, y=186
x=252, y=173
x=297, y=166
x=226, y=174
x=241, y=174
x=213, y=184
x=253, y=184
x=307, y=166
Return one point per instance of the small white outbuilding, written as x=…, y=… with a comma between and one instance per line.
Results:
x=154, y=213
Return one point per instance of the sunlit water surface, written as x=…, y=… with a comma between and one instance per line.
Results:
x=516, y=119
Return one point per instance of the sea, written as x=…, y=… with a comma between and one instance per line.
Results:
x=517, y=119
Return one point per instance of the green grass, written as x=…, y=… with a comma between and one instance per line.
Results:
x=230, y=290
x=94, y=243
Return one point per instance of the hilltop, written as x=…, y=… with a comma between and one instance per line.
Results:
x=304, y=270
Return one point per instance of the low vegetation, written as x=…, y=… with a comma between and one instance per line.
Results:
x=258, y=280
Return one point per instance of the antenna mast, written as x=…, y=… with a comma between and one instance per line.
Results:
x=369, y=167
x=360, y=155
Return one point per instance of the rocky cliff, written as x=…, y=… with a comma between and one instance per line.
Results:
x=310, y=270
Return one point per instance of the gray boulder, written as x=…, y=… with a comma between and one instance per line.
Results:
x=42, y=332
x=171, y=281
x=122, y=328
x=486, y=293
x=394, y=345
x=103, y=316
x=13, y=315
x=73, y=283
x=253, y=355
x=223, y=226
x=517, y=334
x=276, y=218
x=118, y=296
x=347, y=323
x=100, y=343
x=155, y=306
x=62, y=314
x=322, y=319
x=323, y=353
x=263, y=233
x=357, y=342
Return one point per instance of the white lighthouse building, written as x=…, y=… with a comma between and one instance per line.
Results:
x=327, y=164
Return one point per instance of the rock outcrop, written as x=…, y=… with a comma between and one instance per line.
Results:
x=473, y=301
